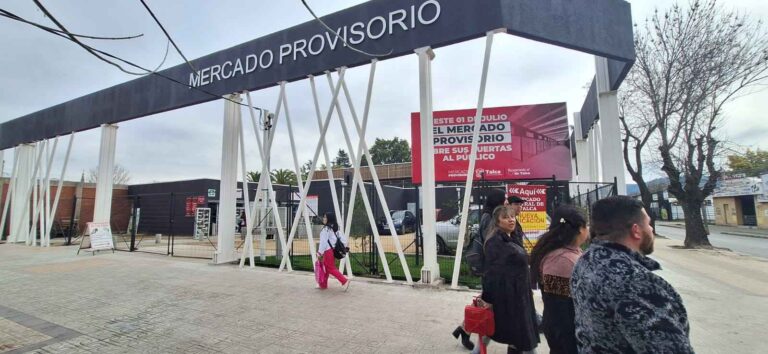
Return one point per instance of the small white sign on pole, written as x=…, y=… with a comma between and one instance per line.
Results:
x=312, y=202
x=101, y=236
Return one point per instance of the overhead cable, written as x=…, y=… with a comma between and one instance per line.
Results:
x=12, y=16
x=344, y=40
x=7, y=14
x=74, y=39
x=194, y=71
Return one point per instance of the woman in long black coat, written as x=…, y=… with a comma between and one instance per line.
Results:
x=493, y=198
x=506, y=286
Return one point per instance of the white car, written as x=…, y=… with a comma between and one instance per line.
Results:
x=448, y=231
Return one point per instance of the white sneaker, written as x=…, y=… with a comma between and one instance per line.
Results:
x=346, y=285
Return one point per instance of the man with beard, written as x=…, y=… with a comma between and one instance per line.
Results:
x=621, y=306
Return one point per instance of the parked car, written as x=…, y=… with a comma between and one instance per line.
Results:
x=404, y=220
x=448, y=231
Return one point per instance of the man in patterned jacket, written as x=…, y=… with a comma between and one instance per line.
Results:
x=621, y=305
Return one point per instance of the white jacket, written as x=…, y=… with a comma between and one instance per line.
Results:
x=327, y=235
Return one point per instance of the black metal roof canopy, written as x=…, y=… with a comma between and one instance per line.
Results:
x=599, y=27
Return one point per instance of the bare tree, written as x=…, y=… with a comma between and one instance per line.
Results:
x=120, y=175
x=638, y=127
x=691, y=62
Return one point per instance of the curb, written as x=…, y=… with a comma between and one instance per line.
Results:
x=744, y=235
x=725, y=232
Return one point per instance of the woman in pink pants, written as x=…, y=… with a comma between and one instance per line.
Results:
x=328, y=236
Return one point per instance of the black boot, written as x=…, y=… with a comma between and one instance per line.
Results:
x=464, y=338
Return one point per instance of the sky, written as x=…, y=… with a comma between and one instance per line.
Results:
x=39, y=70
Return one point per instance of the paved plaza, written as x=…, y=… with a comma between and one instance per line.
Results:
x=56, y=302
x=53, y=301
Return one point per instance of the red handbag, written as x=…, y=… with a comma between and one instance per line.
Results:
x=478, y=318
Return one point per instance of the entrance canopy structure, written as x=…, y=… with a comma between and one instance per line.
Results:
x=373, y=31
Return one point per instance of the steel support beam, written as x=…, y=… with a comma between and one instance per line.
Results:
x=225, y=252
x=104, y=183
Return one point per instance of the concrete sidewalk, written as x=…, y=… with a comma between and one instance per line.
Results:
x=52, y=301
x=56, y=302
x=745, y=231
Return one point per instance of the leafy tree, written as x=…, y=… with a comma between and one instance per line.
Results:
x=342, y=159
x=253, y=176
x=750, y=163
x=120, y=175
x=691, y=61
x=384, y=151
x=283, y=176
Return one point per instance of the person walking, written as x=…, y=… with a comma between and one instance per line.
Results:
x=493, y=199
x=516, y=205
x=552, y=262
x=506, y=286
x=328, y=236
x=241, y=225
x=620, y=305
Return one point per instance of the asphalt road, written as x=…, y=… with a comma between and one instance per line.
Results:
x=725, y=295
x=741, y=244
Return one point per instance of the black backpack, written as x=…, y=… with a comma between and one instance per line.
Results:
x=339, y=250
x=474, y=254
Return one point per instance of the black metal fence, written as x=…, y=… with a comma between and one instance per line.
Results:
x=186, y=225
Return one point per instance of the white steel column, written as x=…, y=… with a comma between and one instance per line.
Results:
x=328, y=164
x=302, y=200
x=331, y=181
x=41, y=210
x=610, y=129
x=299, y=180
x=582, y=150
x=358, y=177
x=431, y=268
x=283, y=244
x=52, y=211
x=472, y=160
x=225, y=252
x=358, y=159
x=103, y=207
x=593, y=139
x=264, y=149
x=11, y=187
x=19, y=231
x=374, y=175
x=32, y=239
x=249, y=212
x=261, y=186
